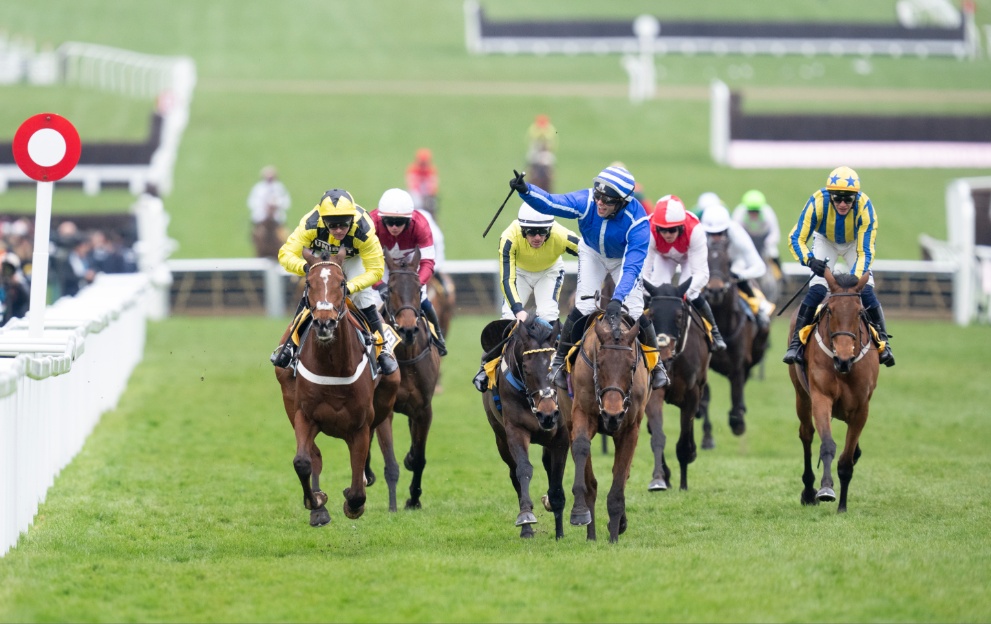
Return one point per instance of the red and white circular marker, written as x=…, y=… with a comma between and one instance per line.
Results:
x=46, y=147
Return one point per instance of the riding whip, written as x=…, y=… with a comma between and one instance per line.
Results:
x=785, y=306
x=498, y=212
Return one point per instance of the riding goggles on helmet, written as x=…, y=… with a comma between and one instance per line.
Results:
x=394, y=221
x=608, y=200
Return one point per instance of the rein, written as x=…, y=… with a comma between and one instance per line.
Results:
x=419, y=317
x=594, y=364
x=865, y=344
x=516, y=377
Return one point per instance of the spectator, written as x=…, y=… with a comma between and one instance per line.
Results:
x=422, y=181
x=15, y=294
x=269, y=203
x=110, y=255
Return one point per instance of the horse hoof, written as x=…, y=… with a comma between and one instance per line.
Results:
x=319, y=517
x=809, y=498
x=527, y=531
x=546, y=501
x=526, y=517
x=408, y=461
x=657, y=485
x=581, y=518
x=826, y=495
x=412, y=504
x=622, y=524
x=353, y=514
x=370, y=478
x=739, y=427
x=708, y=443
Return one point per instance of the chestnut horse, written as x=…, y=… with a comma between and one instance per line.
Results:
x=522, y=409
x=745, y=345
x=837, y=382
x=610, y=383
x=333, y=391
x=681, y=337
x=419, y=364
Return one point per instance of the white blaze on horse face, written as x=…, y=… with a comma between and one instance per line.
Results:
x=325, y=276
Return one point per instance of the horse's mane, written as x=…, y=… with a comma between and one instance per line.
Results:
x=538, y=330
x=846, y=280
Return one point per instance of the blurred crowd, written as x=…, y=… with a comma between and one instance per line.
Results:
x=75, y=257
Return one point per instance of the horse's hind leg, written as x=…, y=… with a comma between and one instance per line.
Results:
x=851, y=451
x=555, y=458
x=370, y=477
x=685, y=449
x=625, y=444
x=736, y=415
x=387, y=446
x=708, y=442
x=354, y=496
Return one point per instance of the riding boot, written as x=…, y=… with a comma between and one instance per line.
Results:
x=702, y=306
x=560, y=375
x=431, y=314
x=805, y=314
x=659, y=375
x=876, y=317
x=283, y=354
x=387, y=360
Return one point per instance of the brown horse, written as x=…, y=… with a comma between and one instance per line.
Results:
x=267, y=237
x=837, y=382
x=440, y=291
x=684, y=349
x=333, y=391
x=610, y=384
x=419, y=364
x=523, y=409
x=744, y=344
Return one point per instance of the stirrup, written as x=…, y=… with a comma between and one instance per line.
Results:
x=890, y=359
x=441, y=347
x=718, y=344
x=481, y=381
x=387, y=362
x=793, y=355
x=659, y=378
x=558, y=372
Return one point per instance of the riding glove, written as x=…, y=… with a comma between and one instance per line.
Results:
x=818, y=266
x=518, y=184
x=613, y=309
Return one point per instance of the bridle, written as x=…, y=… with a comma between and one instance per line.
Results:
x=324, y=304
x=864, y=341
x=516, y=376
x=601, y=392
x=391, y=315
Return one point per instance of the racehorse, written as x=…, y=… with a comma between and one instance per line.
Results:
x=440, y=291
x=681, y=337
x=523, y=409
x=333, y=391
x=268, y=236
x=837, y=382
x=610, y=385
x=419, y=364
x=744, y=347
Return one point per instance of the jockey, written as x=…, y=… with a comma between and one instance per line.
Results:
x=422, y=182
x=401, y=231
x=758, y=219
x=530, y=252
x=614, y=240
x=745, y=261
x=840, y=220
x=335, y=222
x=705, y=200
x=680, y=242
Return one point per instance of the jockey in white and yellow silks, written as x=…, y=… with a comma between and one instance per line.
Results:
x=336, y=222
x=530, y=251
x=840, y=221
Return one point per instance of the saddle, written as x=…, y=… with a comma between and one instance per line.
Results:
x=805, y=332
x=374, y=341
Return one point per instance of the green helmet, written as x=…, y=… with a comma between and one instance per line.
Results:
x=753, y=200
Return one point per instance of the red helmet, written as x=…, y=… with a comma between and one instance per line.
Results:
x=423, y=154
x=669, y=212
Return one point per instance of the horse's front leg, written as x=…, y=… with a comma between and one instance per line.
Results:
x=416, y=459
x=581, y=455
x=739, y=405
x=519, y=447
x=708, y=442
x=655, y=425
x=354, y=496
x=306, y=431
x=685, y=449
x=387, y=446
x=806, y=430
x=851, y=452
x=626, y=443
x=319, y=516
x=555, y=458
x=822, y=409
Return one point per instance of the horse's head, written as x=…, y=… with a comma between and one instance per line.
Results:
x=721, y=282
x=668, y=313
x=534, y=346
x=614, y=367
x=403, y=302
x=843, y=314
x=325, y=283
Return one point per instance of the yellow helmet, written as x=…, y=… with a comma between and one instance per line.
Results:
x=337, y=203
x=843, y=179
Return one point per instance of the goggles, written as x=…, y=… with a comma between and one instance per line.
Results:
x=667, y=230
x=394, y=221
x=607, y=200
x=842, y=198
x=337, y=224
x=536, y=231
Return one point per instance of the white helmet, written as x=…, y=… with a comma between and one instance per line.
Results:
x=396, y=203
x=708, y=199
x=715, y=219
x=528, y=217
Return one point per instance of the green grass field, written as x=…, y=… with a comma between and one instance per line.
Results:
x=183, y=506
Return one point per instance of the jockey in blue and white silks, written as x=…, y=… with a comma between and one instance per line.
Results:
x=615, y=236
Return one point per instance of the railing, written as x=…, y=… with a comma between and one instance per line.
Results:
x=54, y=390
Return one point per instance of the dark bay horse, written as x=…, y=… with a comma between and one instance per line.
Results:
x=681, y=337
x=610, y=384
x=744, y=347
x=333, y=391
x=837, y=382
x=419, y=364
x=523, y=409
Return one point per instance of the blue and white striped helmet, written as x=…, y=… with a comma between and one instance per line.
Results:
x=615, y=181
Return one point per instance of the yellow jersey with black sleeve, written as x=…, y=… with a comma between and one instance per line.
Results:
x=311, y=233
x=516, y=253
x=858, y=226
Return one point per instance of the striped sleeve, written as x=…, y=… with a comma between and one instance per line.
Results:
x=808, y=220
x=866, y=233
x=507, y=271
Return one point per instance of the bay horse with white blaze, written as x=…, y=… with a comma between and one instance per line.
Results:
x=837, y=381
x=333, y=391
x=611, y=383
x=684, y=349
x=419, y=365
x=523, y=409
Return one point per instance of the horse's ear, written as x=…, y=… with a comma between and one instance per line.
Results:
x=683, y=288
x=631, y=333
x=415, y=260
x=341, y=255
x=650, y=288
x=831, y=281
x=390, y=263
x=308, y=256
x=863, y=281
